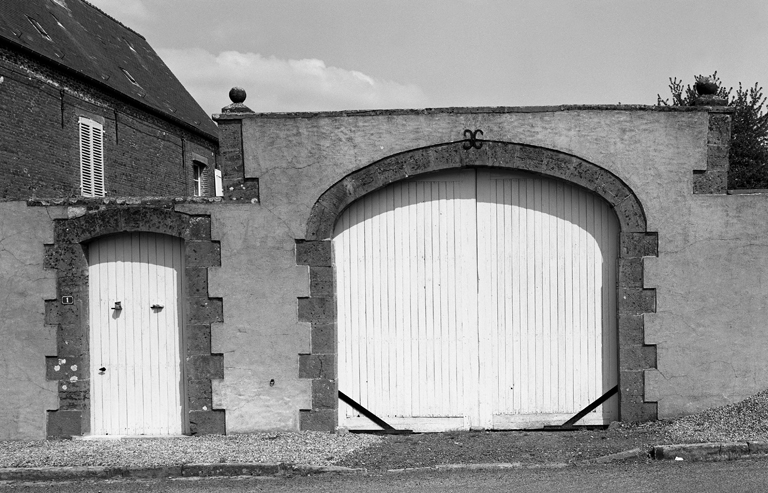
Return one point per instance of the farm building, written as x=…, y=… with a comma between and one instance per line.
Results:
x=494, y=268
x=87, y=108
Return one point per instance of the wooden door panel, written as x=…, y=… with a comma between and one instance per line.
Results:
x=139, y=391
x=477, y=297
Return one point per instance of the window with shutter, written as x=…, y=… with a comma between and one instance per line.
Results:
x=91, y=158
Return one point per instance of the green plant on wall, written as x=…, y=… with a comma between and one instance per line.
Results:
x=749, y=134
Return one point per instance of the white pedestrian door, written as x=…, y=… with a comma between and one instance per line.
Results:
x=135, y=285
x=477, y=299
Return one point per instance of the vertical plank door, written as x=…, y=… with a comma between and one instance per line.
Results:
x=477, y=299
x=406, y=293
x=547, y=277
x=135, y=289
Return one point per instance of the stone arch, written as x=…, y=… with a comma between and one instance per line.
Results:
x=635, y=243
x=67, y=256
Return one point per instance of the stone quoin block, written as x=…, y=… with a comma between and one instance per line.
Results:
x=64, y=424
x=319, y=420
x=316, y=309
x=199, y=395
x=199, y=227
x=634, y=409
x=317, y=366
x=198, y=339
x=632, y=383
x=314, y=253
x=64, y=368
x=635, y=301
x=639, y=244
x=74, y=395
x=710, y=182
x=719, y=132
x=637, y=357
x=631, y=272
x=207, y=422
x=324, y=394
x=205, y=366
x=717, y=158
x=203, y=254
x=321, y=282
x=323, y=338
x=631, y=330
x=205, y=310
x=196, y=279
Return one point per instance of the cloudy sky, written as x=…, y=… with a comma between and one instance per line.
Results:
x=311, y=55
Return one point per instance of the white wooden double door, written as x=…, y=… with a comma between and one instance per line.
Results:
x=477, y=299
x=135, y=285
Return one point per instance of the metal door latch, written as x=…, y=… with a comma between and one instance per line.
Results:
x=118, y=306
x=157, y=307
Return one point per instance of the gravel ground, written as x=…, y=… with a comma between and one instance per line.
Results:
x=743, y=421
x=313, y=448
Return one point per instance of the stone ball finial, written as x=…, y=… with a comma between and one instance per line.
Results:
x=237, y=95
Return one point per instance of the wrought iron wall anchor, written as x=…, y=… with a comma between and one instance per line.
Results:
x=472, y=141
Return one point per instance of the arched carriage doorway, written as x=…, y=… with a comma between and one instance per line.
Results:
x=477, y=298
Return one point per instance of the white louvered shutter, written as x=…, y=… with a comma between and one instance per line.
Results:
x=91, y=158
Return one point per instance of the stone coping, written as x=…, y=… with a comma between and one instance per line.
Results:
x=150, y=201
x=476, y=110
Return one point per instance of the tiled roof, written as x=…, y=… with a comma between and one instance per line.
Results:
x=77, y=35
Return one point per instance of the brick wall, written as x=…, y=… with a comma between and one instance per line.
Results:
x=144, y=155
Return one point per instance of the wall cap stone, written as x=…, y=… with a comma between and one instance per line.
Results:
x=142, y=201
x=478, y=110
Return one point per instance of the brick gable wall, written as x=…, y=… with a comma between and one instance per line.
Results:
x=144, y=155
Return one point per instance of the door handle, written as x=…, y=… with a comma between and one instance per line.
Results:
x=118, y=306
x=157, y=307
x=102, y=370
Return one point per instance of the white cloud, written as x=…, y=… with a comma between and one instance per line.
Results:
x=277, y=85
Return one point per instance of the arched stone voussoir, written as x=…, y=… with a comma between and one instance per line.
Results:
x=507, y=155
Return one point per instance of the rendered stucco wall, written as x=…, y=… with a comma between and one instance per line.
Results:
x=711, y=324
x=26, y=339
x=297, y=158
x=709, y=275
x=260, y=337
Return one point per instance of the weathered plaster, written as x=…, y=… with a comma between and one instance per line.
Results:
x=26, y=338
x=260, y=336
x=712, y=286
x=653, y=152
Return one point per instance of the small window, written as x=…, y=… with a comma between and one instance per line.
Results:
x=198, y=179
x=91, y=158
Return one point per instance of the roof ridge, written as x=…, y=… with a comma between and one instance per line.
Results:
x=112, y=18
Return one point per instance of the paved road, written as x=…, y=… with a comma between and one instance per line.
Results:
x=742, y=476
